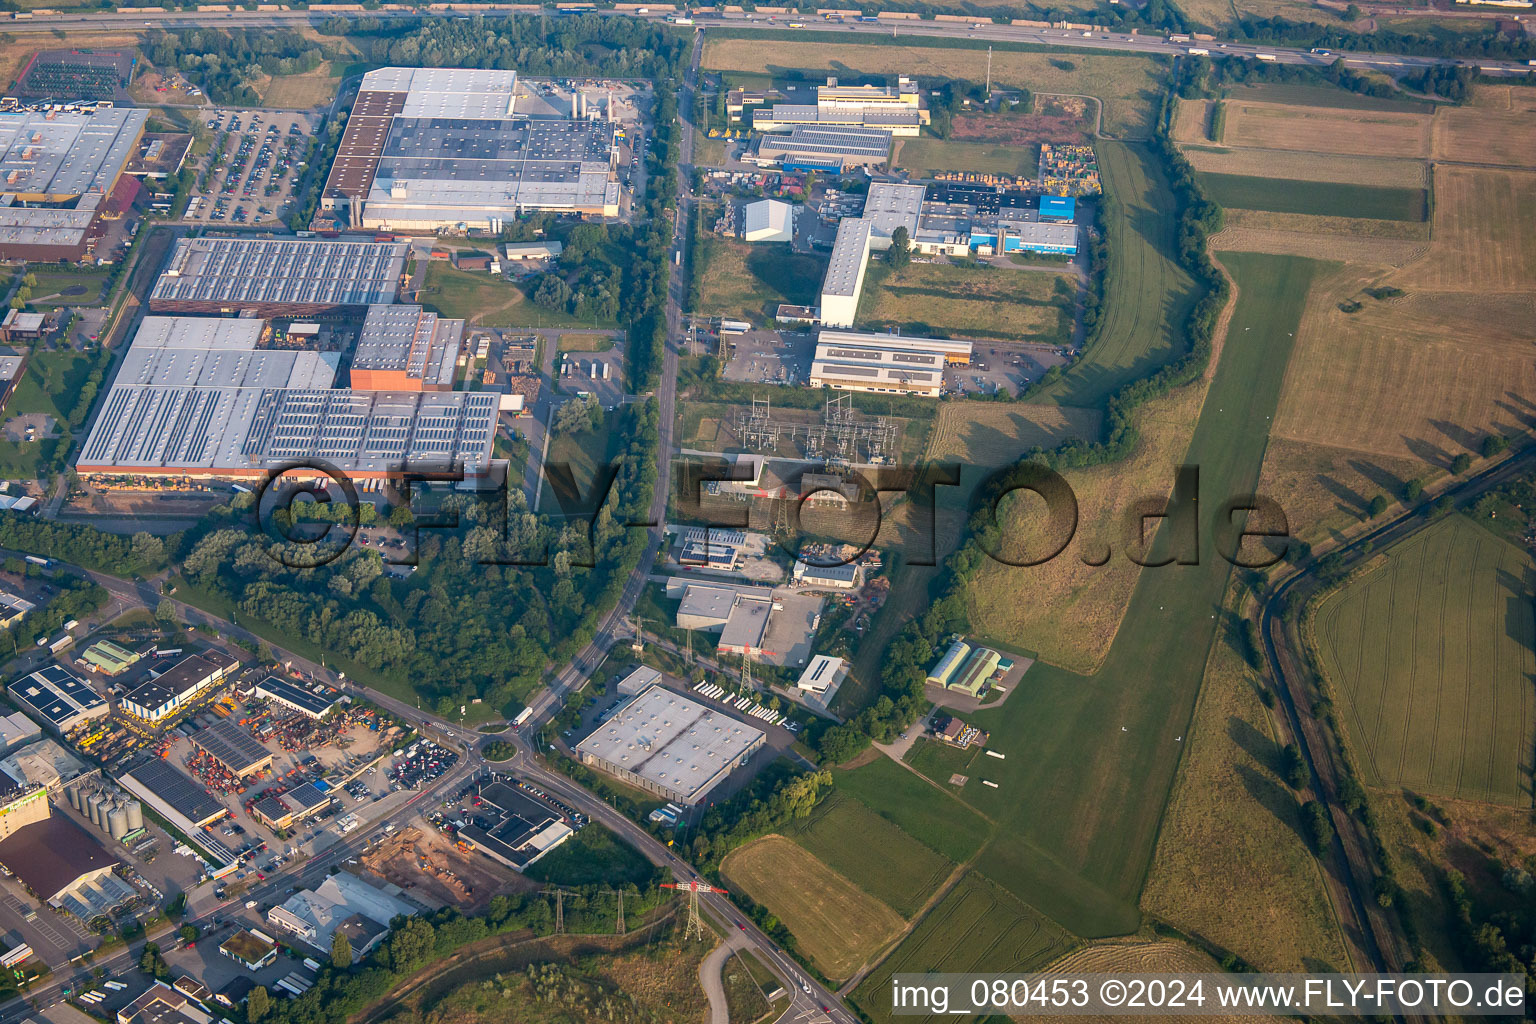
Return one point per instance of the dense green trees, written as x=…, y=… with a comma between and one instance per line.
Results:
x=493, y=602
x=81, y=545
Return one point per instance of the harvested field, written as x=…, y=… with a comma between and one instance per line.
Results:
x=976, y=927
x=1129, y=86
x=299, y=92
x=1133, y=957
x=1311, y=224
x=837, y=924
x=1326, y=129
x=1192, y=121
x=1421, y=377
x=1325, y=490
x=873, y=853
x=1470, y=135
x=1484, y=233
x=989, y=435
x=1287, y=195
x=972, y=302
x=1231, y=866
x=1074, y=608
x=1384, y=172
x=1379, y=252
x=1431, y=654
x=1026, y=130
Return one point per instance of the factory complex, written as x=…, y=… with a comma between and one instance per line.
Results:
x=944, y=219
x=888, y=363
x=199, y=396
x=433, y=148
x=849, y=126
x=62, y=173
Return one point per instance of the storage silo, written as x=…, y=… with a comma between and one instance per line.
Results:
x=95, y=807
x=135, y=812
x=73, y=793
x=117, y=823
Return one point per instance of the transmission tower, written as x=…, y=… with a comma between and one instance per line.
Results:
x=618, y=928
x=560, y=895
x=638, y=643
x=695, y=927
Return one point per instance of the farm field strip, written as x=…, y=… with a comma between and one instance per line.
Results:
x=976, y=927
x=1384, y=172
x=837, y=924
x=1280, y=195
x=1326, y=129
x=873, y=853
x=1432, y=652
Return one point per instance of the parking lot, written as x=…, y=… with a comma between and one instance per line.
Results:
x=999, y=365
x=249, y=174
x=770, y=357
x=600, y=374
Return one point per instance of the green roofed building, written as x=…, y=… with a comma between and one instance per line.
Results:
x=973, y=677
x=109, y=658
x=949, y=664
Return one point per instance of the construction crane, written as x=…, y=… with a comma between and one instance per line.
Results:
x=695, y=927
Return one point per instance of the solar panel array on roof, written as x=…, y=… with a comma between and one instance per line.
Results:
x=178, y=791
x=231, y=746
x=280, y=272
x=58, y=697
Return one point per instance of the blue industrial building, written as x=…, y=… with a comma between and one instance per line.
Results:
x=1058, y=208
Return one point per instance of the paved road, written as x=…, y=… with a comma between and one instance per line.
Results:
x=1117, y=41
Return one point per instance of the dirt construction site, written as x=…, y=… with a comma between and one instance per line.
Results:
x=436, y=872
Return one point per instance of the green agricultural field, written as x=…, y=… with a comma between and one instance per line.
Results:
x=1432, y=653
x=919, y=809
x=591, y=856
x=1090, y=759
x=872, y=853
x=976, y=927
x=971, y=302
x=926, y=157
x=1150, y=294
x=1278, y=195
x=748, y=280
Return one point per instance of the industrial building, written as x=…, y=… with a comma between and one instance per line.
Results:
x=159, y=698
x=739, y=614
x=265, y=277
x=888, y=363
x=345, y=903
x=42, y=762
x=313, y=701
x=53, y=857
x=405, y=348
x=966, y=669
x=108, y=658
x=667, y=744
x=162, y=1004
x=12, y=606
x=896, y=109
x=240, y=753
x=249, y=948
x=514, y=827
x=768, y=220
x=823, y=674
x=196, y=396
x=17, y=729
x=433, y=148
x=827, y=577
x=58, y=699
x=21, y=806
x=284, y=810
x=844, y=281
x=61, y=175
x=830, y=148
x=638, y=679
x=172, y=794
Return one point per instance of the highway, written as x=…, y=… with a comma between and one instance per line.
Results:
x=1124, y=42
